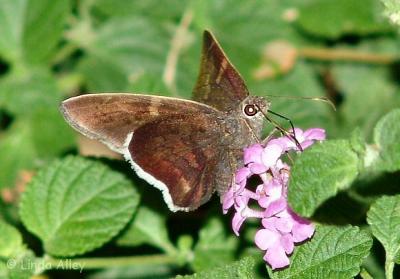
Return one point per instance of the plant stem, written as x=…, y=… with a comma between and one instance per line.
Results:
x=64, y=53
x=346, y=55
x=177, y=44
x=95, y=263
x=389, y=266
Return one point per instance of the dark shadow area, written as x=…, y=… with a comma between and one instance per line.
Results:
x=5, y=120
x=4, y=67
x=381, y=184
x=341, y=210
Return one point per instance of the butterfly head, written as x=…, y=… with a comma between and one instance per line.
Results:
x=254, y=107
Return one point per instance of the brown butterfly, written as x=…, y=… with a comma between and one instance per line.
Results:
x=187, y=149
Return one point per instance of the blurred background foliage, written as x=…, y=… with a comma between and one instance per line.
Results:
x=345, y=50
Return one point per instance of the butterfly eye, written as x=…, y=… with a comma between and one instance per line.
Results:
x=250, y=110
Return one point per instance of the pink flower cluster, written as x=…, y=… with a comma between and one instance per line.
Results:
x=282, y=228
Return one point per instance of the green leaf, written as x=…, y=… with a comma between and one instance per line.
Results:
x=319, y=173
x=75, y=205
x=103, y=76
x=22, y=93
x=118, y=42
x=157, y=271
x=31, y=29
x=10, y=241
x=384, y=219
x=30, y=140
x=386, y=136
x=148, y=227
x=245, y=268
x=15, y=260
x=334, y=18
x=333, y=252
x=21, y=266
x=17, y=153
x=304, y=114
x=50, y=137
x=214, y=248
x=364, y=102
x=169, y=10
x=392, y=10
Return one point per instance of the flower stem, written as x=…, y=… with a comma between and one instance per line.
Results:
x=95, y=263
x=346, y=55
x=389, y=266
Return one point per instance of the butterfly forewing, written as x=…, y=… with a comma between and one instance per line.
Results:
x=111, y=117
x=219, y=84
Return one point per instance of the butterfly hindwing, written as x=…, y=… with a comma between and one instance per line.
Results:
x=178, y=155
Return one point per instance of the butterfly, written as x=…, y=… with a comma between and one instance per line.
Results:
x=186, y=148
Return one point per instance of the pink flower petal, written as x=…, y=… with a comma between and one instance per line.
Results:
x=242, y=174
x=264, y=201
x=274, y=189
x=284, y=225
x=276, y=256
x=302, y=232
x=314, y=134
x=252, y=154
x=276, y=207
x=227, y=200
x=265, y=239
x=241, y=202
x=287, y=243
x=269, y=223
x=237, y=222
x=257, y=168
x=271, y=154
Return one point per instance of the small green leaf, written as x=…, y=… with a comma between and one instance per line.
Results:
x=148, y=227
x=10, y=241
x=214, y=248
x=75, y=205
x=386, y=136
x=319, y=173
x=333, y=252
x=335, y=18
x=245, y=268
x=384, y=219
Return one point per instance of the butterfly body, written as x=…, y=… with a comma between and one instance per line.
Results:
x=187, y=149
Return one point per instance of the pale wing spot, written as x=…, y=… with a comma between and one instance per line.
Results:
x=221, y=71
x=153, y=108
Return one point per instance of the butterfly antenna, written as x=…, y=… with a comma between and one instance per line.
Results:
x=320, y=99
x=292, y=136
